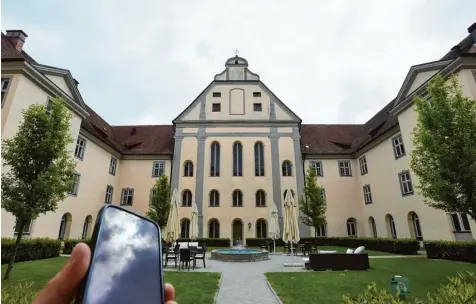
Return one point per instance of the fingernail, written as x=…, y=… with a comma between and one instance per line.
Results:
x=73, y=255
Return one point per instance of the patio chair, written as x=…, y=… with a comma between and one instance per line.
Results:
x=201, y=254
x=172, y=255
x=186, y=258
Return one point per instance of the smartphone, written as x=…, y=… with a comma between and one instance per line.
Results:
x=126, y=260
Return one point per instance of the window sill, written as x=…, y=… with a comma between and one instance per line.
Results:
x=73, y=194
x=125, y=204
x=345, y=175
x=185, y=206
x=466, y=231
x=363, y=173
x=80, y=158
x=407, y=194
x=113, y=174
x=237, y=206
x=213, y=206
x=368, y=203
x=261, y=206
x=398, y=157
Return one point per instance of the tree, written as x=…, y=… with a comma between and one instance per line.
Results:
x=40, y=168
x=312, y=204
x=160, y=201
x=444, y=155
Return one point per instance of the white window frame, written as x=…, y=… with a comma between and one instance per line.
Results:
x=459, y=217
x=367, y=194
x=187, y=198
x=80, y=148
x=25, y=232
x=317, y=166
x=398, y=147
x=323, y=195
x=109, y=194
x=158, y=168
x=8, y=81
x=126, y=193
x=112, y=165
x=352, y=224
x=214, y=198
x=406, y=184
x=363, y=165
x=345, y=168
x=74, y=192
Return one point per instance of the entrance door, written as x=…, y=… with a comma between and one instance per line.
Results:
x=237, y=228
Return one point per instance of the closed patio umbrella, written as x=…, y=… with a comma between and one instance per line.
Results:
x=274, y=226
x=172, y=229
x=291, y=226
x=194, y=222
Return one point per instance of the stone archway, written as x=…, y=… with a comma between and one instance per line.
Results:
x=65, y=226
x=237, y=230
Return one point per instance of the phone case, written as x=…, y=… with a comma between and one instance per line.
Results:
x=97, y=227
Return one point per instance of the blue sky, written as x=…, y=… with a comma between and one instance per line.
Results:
x=143, y=62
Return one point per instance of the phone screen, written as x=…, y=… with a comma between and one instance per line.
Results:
x=126, y=264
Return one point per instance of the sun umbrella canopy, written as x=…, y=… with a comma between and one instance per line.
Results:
x=291, y=225
x=194, y=222
x=274, y=223
x=172, y=229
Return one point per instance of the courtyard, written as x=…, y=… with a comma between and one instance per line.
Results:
x=228, y=282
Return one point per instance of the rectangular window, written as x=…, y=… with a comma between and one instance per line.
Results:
x=367, y=194
x=49, y=106
x=158, y=168
x=112, y=165
x=460, y=222
x=363, y=165
x=109, y=192
x=398, y=147
x=256, y=94
x=321, y=231
x=323, y=195
x=74, y=191
x=216, y=94
x=26, y=228
x=405, y=183
x=5, y=86
x=257, y=107
x=127, y=196
x=80, y=147
x=317, y=166
x=216, y=107
x=344, y=168
x=153, y=192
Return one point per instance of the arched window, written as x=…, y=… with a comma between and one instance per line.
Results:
x=215, y=159
x=237, y=198
x=185, y=228
x=88, y=222
x=65, y=226
x=351, y=227
x=213, y=229
x=259, y=159
x=260, y=198
x=187, y=198
x=372, y=227
x=188, y=168
x=286, y=191
x=414, y=226
x=237, y=159
x=261, y=229
x=287, y=168
x=214, y=198
x=391, y=230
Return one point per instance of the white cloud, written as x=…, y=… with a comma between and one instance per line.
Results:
x=329, y=61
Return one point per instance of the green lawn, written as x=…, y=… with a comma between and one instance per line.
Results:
x=190, y=287
x=328, y=287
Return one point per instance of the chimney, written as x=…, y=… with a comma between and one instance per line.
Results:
x=133, y=131
x=17, y=37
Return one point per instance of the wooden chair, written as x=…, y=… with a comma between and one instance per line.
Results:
x=186, y=258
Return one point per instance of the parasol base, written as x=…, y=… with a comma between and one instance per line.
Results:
x=293, y=265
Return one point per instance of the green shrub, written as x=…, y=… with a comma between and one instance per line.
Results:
x=460, y=290
x=456, y=251
x=30, y=249
x=400, y=246
x=255, y=242
x=211, y=242
x=22, y=293
x=69, y=244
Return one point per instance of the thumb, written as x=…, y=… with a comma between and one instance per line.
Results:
x=62, y=287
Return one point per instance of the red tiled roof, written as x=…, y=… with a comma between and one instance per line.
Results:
x=145, y=140
x=328, y=139
x=9, y=52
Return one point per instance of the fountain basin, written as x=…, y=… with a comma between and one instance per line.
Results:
x=239, y=255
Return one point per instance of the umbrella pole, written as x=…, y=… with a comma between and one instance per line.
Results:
x=274, y=246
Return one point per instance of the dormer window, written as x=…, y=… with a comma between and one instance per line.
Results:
x=256, y=94
x=216, y=94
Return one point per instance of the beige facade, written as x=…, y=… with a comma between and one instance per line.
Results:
x=234, y=151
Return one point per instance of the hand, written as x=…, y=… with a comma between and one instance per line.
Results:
x=61, y=289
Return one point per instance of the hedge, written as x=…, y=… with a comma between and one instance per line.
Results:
x=70, y=243
x=399, y=246
x=455, y=251
x=211, y=242
x=30, y=249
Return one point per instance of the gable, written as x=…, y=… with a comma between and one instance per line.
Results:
x=418, y=76
x=63, y=80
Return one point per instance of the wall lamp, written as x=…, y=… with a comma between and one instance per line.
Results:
x=249, y=226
